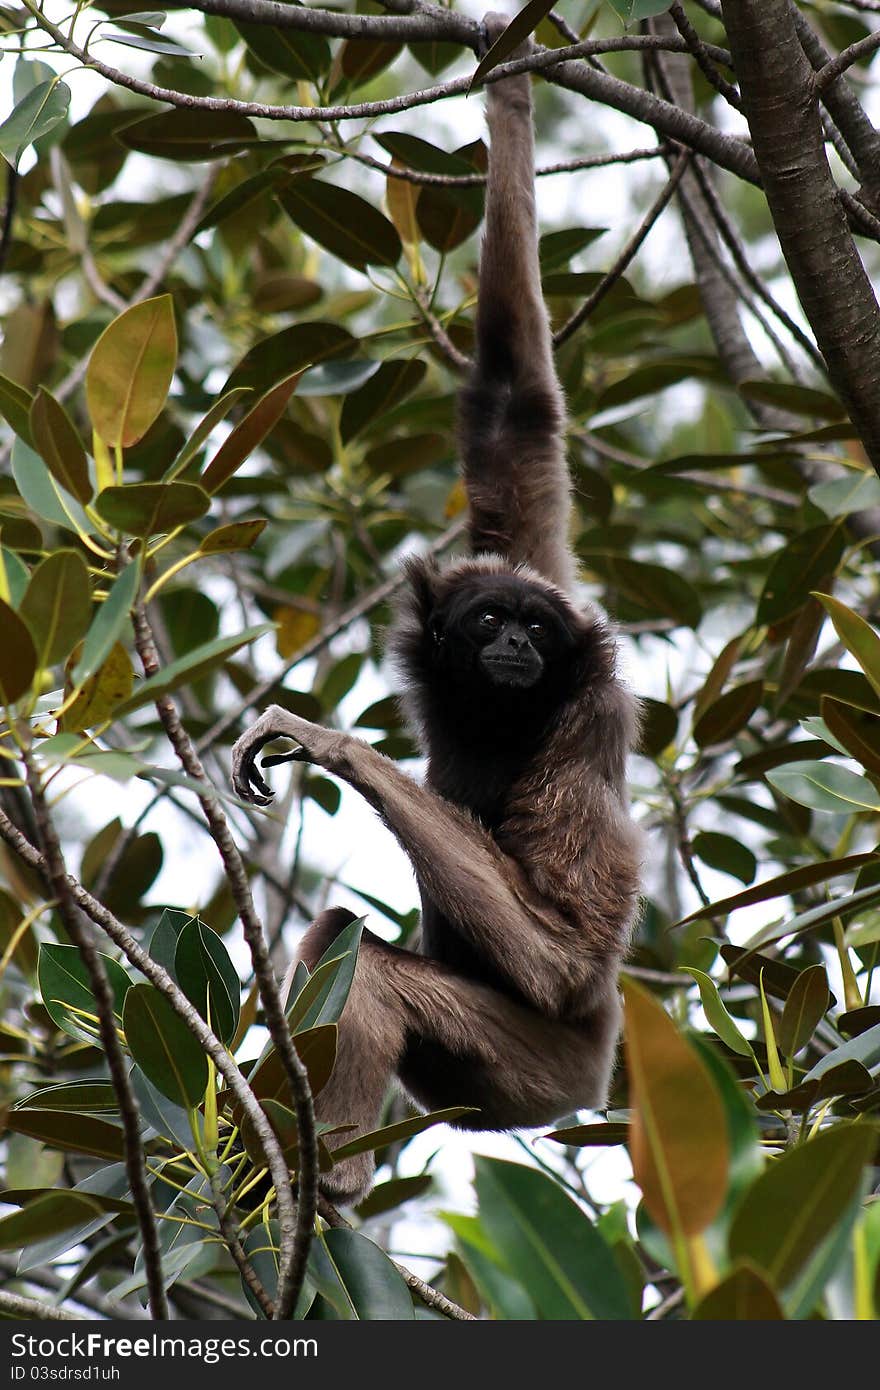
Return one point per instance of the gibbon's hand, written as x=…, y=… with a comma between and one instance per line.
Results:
x=316, y=745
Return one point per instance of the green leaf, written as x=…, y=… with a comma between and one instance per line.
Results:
x=344, y=224
x=725, y=853
x=65, y=988
x=203, y=429
x=15, y=407
x=107, y=625
x=130, y=370
x=857, y=492
x=679, y=1144
x=864, y=1049
x=190, y=135
x=70, y=1132
x=825, y=786
x=742, y=1296
x=248, y=434
x=46, y=1216
x=392, y=383
x=795, y=1203
x=800, y=400
x=404, y=1129
x=795, y=571
x=56, y=439
x=716, y=1013
x=302, y=56
x=72, y=1096
x=549, y=1244
x=604, y=1135
x=728, y=714
x=856, y=635
x=774, y=1066
x=389, y=1196
x=782, y=885
x=358, y=1279
x=145, y=509
x=163, y=1047
x=38, y=113
x=324, y=995
x=18, y=657
x=44, y=494
x=57, y=605
x=804, y=1009
x=291, y=350
x=189, y=668
x=237, y=535
x=555, y=249
x=208, y=978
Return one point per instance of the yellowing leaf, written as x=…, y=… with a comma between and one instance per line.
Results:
x=130, y=371
x=102, y=693
x=678, y=1143
x=294, y=628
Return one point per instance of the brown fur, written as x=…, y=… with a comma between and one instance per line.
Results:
x=510, y=1004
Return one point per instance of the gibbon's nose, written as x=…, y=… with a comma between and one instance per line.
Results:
x=516, y=638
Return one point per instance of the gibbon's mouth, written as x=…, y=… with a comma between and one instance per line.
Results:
x=512, y=670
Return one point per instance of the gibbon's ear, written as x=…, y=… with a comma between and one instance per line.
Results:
x=422, y=574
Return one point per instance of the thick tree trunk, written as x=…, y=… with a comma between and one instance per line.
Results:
x=780, y=104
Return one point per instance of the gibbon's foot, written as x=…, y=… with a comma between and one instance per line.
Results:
x=349, y=1180
x=316, y=745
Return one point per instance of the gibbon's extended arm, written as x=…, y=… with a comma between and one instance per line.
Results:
x=484, y=891
x=511, y=412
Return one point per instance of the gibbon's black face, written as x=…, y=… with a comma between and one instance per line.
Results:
x=502, y=631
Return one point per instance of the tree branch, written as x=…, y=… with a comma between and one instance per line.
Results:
x=613, y=274
x=782, y=111
x=295, y=1236
x=845, y=59
x=135, y=1164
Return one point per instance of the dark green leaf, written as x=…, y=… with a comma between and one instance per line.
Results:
x=549, y=1244
x=344, y=224
x=56, y=439
x=57, y=605
x=163, y=1047
x=145, y=509
x=797, y=1200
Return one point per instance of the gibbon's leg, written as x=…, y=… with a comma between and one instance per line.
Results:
x=475, y=885
x=511, y=411
x=452, y=1042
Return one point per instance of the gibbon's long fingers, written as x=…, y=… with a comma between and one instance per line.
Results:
x=247, y=782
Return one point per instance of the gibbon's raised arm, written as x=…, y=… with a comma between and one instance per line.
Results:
x=512, y=418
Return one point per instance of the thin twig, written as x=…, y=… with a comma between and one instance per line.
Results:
x=565, y=166
x=612, y=275
x=753, y=280
x=703, y=57
x=135, y=1163
x=459, y=361
x=18, y=1306
x=845, y=59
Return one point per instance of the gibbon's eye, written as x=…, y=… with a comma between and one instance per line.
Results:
x=537, y=629
x=490, y=619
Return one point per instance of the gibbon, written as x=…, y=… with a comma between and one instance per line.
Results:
x=521, y=840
